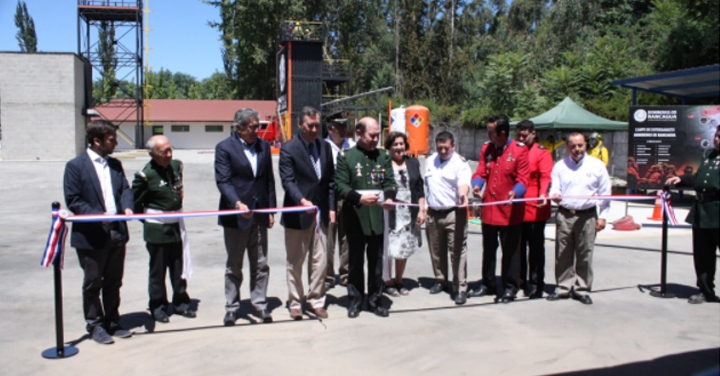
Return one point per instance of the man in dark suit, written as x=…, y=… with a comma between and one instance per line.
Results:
x=94, y=183
x=244, y=176
x=307, y=171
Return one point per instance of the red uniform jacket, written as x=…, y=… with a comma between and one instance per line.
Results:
x=503, y=170
x=541, y=165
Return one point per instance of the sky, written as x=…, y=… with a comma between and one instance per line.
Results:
x=180, y=40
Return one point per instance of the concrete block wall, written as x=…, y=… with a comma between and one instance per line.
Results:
x=41, y=99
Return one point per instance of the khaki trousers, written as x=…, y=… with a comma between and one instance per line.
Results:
x=575, y=234
x=300, y=243
x=447, y=232
x=337, y=231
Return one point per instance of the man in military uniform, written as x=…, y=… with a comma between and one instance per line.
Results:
x=504, y=167
x=704, y=219
x=365, y=178
x=158, y=188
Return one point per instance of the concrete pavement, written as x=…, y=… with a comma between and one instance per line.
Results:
x=624, y=332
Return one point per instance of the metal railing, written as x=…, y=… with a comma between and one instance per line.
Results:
x=110, y=3
x=336, y=68
x=301, y=31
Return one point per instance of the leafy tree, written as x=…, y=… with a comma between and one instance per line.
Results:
x=108, y=60
x=27, y=40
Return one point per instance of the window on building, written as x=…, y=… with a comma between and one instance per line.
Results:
x=157, y=130
x=180, y=128
x=213, y=128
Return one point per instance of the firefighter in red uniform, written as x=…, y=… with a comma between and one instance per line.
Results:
x=532, y=246
x=504, y=167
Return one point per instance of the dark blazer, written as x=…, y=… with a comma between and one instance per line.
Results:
x=83, y=195
x=417, y=189
x=299, y=181
x=235, y=180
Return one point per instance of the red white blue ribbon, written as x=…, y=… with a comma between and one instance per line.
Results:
x=58, y=232
x=667, y=207
x=55, y=246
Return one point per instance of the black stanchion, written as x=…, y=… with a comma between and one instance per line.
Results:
x=663, y=263
x=60, y=351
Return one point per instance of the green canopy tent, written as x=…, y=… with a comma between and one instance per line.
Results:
x=569, y=115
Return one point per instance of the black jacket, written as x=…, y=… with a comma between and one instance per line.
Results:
x=299, y=181
x=235, y=180
x=417, y=189
x=83, y=195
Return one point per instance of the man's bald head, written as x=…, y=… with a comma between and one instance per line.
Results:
x=368, y=133
x=160, y=150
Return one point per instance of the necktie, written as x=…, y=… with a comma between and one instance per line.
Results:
x=314, y=159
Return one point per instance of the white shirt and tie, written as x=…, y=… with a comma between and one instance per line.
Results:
x=250, y=153
x=103, y=172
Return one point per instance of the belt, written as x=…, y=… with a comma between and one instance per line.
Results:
x=703, y=197
x=440, y=211
x=578, y=211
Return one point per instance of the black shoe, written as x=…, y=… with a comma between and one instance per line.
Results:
x=118, y=331
x=189, y=313
x=536, y=295
x=263, y=315
x=461, y=298
x=555, y=296
x=229, y=319
x=508, y=297
x=437, y=288
x=482, y=291
x=698, y=298
x=160, y=316
x=584, y=299
x=100, y=335
x=353, y=312
x=530, y=291
x=381, y=311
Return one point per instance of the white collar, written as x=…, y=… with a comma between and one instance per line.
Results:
x=95, y=156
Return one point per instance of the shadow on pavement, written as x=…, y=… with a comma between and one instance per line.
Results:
x=680, y=291
x=643, y=249
x=700, y=362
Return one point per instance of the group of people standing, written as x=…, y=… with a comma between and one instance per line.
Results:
x=372, y=204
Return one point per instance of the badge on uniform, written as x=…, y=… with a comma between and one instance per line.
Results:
x=358, y=167
x=377, y=175
x=510, y=158
x=162, y=183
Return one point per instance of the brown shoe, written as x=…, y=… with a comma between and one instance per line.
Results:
x=295, y=313
x=320, y=312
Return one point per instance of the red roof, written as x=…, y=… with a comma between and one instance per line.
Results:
x=186, y=110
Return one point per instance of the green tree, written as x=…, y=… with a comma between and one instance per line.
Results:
x=27, y=40
x=108, y=60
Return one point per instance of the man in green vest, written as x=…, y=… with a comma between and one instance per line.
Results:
x=364, y=178
x=704, y=217
x=158, y=188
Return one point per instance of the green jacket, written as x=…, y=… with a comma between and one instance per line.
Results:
x=706, y=181
x=161, y=189
x=357, y=169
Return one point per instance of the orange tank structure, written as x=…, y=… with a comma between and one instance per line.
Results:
x=417, y=126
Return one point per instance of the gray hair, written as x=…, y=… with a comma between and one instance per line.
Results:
x=308, y=111
x=244, y=116
x=150, y=144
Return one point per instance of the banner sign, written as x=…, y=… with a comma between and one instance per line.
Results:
x=282, y=79
x=666, y=141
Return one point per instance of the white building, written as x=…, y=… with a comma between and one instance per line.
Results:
x=187, y=123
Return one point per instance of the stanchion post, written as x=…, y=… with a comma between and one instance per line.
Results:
x=60, y=351
x=663, y=261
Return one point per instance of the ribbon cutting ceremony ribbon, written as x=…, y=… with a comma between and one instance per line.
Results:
x=664, y=196
x=54, y=248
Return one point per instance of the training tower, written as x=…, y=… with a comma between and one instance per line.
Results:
x=125, y=17
x=305, y=74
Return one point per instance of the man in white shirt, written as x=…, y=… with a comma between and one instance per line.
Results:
x=447, y=178
x=577, y=220
x=337, y=138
